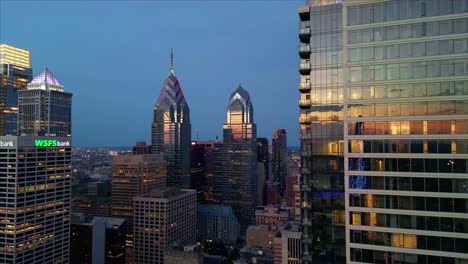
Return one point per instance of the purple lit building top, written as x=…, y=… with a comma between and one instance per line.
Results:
x=45, y=77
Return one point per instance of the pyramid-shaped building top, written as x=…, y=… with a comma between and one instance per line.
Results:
x=45, y=80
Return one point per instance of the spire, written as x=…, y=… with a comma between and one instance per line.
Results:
x=172, y=63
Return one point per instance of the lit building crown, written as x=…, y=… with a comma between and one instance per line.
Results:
x=46, y=80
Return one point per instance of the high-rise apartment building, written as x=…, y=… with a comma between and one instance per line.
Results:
x=171, y=131
x=15, y=74
x=35, y=195
x=321, y=131
x=279, y=159
x=406, y=120
x=44, y=107
x=163, y=218
x=235, y=160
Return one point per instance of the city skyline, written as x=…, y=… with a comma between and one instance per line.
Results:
x=89, y=60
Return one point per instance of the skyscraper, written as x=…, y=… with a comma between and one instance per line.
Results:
x=263, y=169
x=15, y=74
x=134, y=175
x=171, y=131
x=279, y=159
x=406, y=131
x=321, y=131
x=44, y=107
x=235, y=160
x=35, y=196
x=163, y=218
x=201, y=171
x=97, y=240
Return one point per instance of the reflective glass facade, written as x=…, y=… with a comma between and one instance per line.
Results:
x=406, y=131
x=321, y=132
x=171, y=132
x=44, y=109
x=235, y=160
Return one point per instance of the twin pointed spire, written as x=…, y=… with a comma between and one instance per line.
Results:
x=172, y=63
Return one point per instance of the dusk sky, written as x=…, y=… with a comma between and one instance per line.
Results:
x=114, y=56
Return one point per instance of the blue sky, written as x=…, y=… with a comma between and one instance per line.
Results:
x=114, y=56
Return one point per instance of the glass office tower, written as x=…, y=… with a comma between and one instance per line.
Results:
x=235, y=160
x=406, y=105
x=321, y=132
x=171, y=131
x=15, y=74
x=44, y=107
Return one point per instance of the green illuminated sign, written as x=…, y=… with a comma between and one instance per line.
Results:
x=50, y=143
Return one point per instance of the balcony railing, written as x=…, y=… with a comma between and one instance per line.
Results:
x=304, y=119
x=304, y=86
x=304, y=49
x=304, y=68
x=304, y=103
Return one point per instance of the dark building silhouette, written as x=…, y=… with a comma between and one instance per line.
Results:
x=201, y=172
x=97, y=240
x=141, y=148
x=279, y=159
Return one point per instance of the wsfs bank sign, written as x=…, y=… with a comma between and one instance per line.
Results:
x=51, y=143
x=6, y=143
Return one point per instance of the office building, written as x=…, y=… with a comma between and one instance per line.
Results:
x=261, y=236
x=163, y=218
x=279, y=159
x=92, y=205
x=15, y=74
x=44, y=107
x=406, y=131
x=35, y=197
x=263, y=169
x=141, y=148
x=201, y=171
x=97, y=240
x=235, y=160
x=134, y=175
x=321, y=131
x=288, y=248
x=271, y=215
x=176, y=256
x=217, y=223
x=171, y=131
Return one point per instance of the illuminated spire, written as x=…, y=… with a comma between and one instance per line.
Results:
x=172, y=63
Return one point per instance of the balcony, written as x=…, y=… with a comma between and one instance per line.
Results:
x=306, y=222
x=303, y=12
x=304, y=68
x=304, y=34
x=305, y=170
x=304, y=50
x=306, y=154
x=304, y=119
x=304, y=86
x=305, y=137
x=304, y=103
